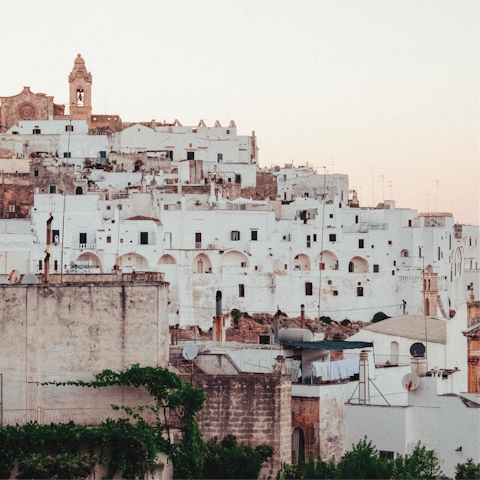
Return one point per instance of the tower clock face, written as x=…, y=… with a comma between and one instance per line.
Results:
x=26, y=111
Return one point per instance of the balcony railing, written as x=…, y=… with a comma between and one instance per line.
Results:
x=198, y=244
x=383, y=359
x=85, y=246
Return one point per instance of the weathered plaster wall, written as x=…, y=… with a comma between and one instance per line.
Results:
x=255, y=408
x=72, y=331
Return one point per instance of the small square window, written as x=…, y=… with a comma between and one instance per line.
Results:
x=243, y=264
x=389, y=242
x=83, y=238
x=393, y=272
x=109, y=207
x=335, y=293
x=331, y=215
x=241, y=290
x=219, y=157
x=121, y=240
x=329, y=282
x=53, y=189
x=144, y=238
x=67, y=154
x=36, y=131
x=376, y=268
x=394, y=263
x=333, y=237
x=256, y=267
x=359, y=291
x=286, y=267
x=35, y=173
x=40, y=265
x=308, y=288
x=120, y=206
x=235, y=235
x=109, y=239
x=190, y=155
x=314, y=237
x=254, y=235
x=360, y=243
x=69, y=128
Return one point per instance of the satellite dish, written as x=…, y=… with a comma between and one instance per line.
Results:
x=410, y=381
x=29, y=279
x=14, y=276
x=417, y=350
x=189, y=352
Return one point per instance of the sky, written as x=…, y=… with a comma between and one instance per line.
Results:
x=386, y=91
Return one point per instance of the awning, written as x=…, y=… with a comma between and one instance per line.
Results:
x=329, y=345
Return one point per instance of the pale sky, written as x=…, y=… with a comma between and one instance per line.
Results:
x=388, y=85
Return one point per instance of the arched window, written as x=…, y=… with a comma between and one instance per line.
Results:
x=298, y=444
x=350, y=267
x=79, y=191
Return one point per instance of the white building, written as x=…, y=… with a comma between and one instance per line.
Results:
x=442, y=421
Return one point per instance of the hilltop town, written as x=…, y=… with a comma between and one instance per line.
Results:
x=122, y=242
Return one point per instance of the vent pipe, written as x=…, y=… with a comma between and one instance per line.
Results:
x=302, y=315
x=364, y=383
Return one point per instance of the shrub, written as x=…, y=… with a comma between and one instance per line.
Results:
x=326, y=320
x=467, y=470
x=379, y=316
x=236, y=314
x=345, y=322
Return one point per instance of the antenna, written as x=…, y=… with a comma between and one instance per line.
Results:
x=29, y=279
x=417, y=350
x=189, y=352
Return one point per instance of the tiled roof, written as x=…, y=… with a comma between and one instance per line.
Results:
x=412, y=326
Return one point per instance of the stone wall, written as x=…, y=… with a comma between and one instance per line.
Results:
x=71, y=331
x=61, y=176
x=256, y=408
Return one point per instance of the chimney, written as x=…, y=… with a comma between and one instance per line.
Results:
x=302, y=315
x=419, y=365
x=279, y=368
x=364, y=383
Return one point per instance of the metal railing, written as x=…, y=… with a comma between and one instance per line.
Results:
x=383, y=359
x=85, y=246
x=81, y=416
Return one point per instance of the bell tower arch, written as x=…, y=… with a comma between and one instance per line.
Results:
x=80, y=91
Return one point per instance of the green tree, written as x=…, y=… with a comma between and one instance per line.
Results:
x=468, y=470
x=379, y=316
x=229, y=459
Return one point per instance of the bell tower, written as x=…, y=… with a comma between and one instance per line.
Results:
x=80, y=92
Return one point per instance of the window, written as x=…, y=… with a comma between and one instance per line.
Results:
x=79, y=191
x=53, y=189
x=314, y=237
x=170, y=154
x=243, y=264
x=109, y=239
x=308, y=241
x=55, y=265
x=286, y=267
x=360, y=243
x=254, y=235
x=359, y=291
x=56, y=236
x=256, y=267
x=228, y=132
x=308, y=288
x=385, y=454
x=331, y=215
x=198, y=240
x=36, y=131
x=229, y=180
x=11, y=208
x=393, y=272
x=103, y=154
x=143, y=238
x=190, y=155
x=109, y=207
x=241, y=290
x=439, y=250
x=376, y=268
x=67, y=154
x=35, y=173
x=120, y=206
x=409, y=223
x=322, y=266
x=235, y=235
x=238, y=179
x=389, y=242
x=40, y=266
x=356, y=218
x=83, y=238
x=329, y=282
x=69, y=128
x=335, y=293
x=333, y=237
x=219, y=157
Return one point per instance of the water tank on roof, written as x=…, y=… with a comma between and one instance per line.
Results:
x=29, y=279
x=295, y=335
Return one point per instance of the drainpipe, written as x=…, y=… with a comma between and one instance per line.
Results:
x=364, y=383
x=302, y=315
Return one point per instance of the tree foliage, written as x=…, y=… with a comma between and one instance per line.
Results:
x=467, y=470
x=379, y=316
x=229, y=459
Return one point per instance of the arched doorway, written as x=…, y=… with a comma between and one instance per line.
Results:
x=394, y=352
x=79, y=191
x=298, y=444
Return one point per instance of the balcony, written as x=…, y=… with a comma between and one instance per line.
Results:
x=85, y=246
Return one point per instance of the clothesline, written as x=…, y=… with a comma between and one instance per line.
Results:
x=337, y=369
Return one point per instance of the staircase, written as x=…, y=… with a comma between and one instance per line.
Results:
x=184, y=366
x=440, y=306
